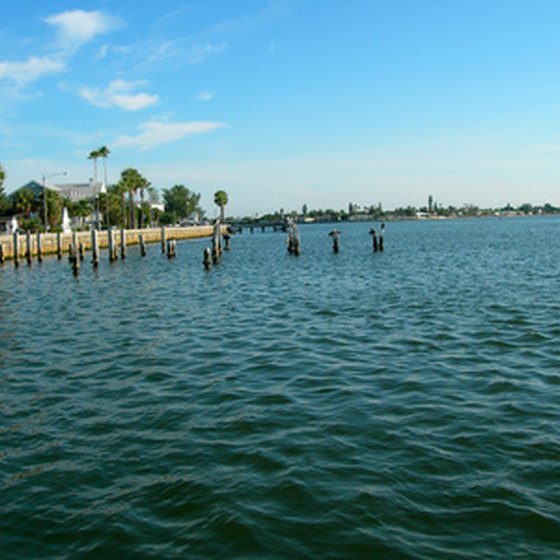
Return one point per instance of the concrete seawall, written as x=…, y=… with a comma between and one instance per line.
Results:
x=49, y=241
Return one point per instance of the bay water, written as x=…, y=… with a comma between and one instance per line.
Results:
x=398, y=404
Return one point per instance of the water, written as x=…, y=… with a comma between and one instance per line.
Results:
x=403, y=404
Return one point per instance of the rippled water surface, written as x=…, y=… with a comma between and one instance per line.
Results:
x=403, y=404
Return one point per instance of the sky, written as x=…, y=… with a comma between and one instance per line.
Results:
x=283, y=103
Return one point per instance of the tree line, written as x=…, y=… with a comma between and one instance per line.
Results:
x=130, y=203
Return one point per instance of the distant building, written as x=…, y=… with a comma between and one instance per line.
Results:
x=69, y=191
x=79, y=191
x=73, y=192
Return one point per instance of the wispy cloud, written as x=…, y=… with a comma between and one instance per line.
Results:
x=23, y=73
x=155, y=133
x=119, y=93
x=198, y=53
x=205, y=96
x=76, y=27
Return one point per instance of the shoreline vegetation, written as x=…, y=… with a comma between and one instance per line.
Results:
x=433, y=211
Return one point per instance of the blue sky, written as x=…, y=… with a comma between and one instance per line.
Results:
x=289, y=102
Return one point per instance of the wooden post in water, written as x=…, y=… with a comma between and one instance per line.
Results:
x=207, y=259
x=335, y=234
x=111, y=244
x=16, y=248
x=123, y=244
x=81, y=250
x=59, y=245
x=94, y=248
x=74, y=257
x=227, y=242
x=163, y=239
x=381, y=232
x=373, y=234
x=171, y=248
x=143, y=251
x=293, y=239
x=1, y=253
x=39, y=247
x=217, y=239
x=28, y=250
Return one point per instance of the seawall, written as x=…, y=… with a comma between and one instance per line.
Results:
x=50, y=241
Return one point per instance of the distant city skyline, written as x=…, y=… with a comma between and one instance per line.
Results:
x=283, y=103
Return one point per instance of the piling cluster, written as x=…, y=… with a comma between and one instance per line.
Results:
x=211, y=255
x=116, y=242
x=294, y=239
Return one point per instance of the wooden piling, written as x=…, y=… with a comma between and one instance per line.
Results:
x=143, y=251
x=95, y=248
x=1, y=253
x=293, y=239
x=81, y=251
x=163, y=241
x=217, y=238
x=111, y=244
x=227, y=242
x=16, y=249
x=123, y=244
x=207, y=259
x=59, y=245
x=74, y=258
x=335, y=234
x=373, y=234
x=171, y=248
x=39, y=247
x=28, y=247
x=381, y=236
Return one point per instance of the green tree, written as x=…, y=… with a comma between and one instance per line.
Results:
x=5, y=203
x=25, y=202
x=180, y=203
x=80, y=209
x=132, y=181
x=115, y=206
x=221, y=200
x=54, y=205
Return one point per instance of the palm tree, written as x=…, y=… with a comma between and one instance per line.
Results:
x=132, y=181
x=104, y=152
x=221, y=199
x=25, y=201
x=94, y=155
x=54, y=204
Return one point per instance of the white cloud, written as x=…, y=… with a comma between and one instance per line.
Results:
x=155, y=133
x=199, y=53
x=77, y=27
x=120, y=94
x=102, y=53
x=34, y=67
x=206, y=96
